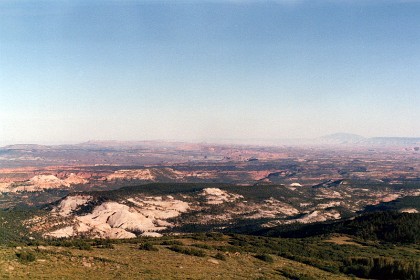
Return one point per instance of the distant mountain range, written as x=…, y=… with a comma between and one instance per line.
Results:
x=342, y=138
x=354, y=139
x=330, y=139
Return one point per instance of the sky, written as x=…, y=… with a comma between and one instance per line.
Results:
x=72, y=71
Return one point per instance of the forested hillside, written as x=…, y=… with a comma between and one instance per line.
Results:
x=390, y=226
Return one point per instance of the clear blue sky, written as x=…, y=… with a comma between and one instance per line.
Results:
x=71, y=71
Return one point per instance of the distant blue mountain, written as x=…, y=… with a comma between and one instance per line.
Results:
x=354, y=139
x=343, y=138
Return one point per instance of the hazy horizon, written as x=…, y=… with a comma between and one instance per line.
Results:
x=233, y=141
x=73, y=71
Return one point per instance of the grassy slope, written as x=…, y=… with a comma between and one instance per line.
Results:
x=126, y=261
x=305, y=259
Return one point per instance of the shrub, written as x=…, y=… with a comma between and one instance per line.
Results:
x=103, y=243
x=172, y=242
x=203, y=246
x=188, y=251
x=76, y=243
x=220, y=256
x=216, y=236
x=25, y=256
x=82, y=245
x=265, y=257
x=148, y=247
x=296, y=275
